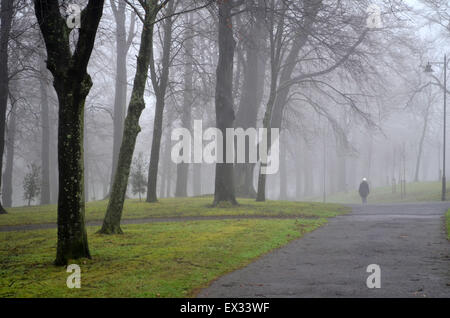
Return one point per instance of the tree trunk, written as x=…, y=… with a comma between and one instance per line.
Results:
x=72, y=237
x=252, y=93
x=422, y=139
x=283, y=172
x=183, y=168
x=86, y=162
x=169, y=179
x=45, y=147
x=164, y=169
x=224, y=182
x=111, y=222
x=299, y=163
x=6, y=16
x=160, y=88
x=261, y=194
x=54, y=166
x=72, y=84
x=197, y=179
x=166, y=155
x=308, y=168
x=120, y=92
x=9, y=165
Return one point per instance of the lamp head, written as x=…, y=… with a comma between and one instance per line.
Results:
x=428, y=68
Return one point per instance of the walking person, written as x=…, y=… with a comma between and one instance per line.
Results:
x=364, y=190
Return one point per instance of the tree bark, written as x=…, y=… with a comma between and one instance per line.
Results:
x=160, y=88
x=72, y=84
x=111, y=222
x=6, y=17
x=224, y=182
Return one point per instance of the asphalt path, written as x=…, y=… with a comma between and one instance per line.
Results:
x=406, y=241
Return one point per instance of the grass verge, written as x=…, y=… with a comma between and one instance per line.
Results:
x=149, y=260
x=176, y=207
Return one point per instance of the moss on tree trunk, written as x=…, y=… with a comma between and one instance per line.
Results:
x=111, y=222
x=72, y=84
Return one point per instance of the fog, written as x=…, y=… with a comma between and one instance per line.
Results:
x=357, y=104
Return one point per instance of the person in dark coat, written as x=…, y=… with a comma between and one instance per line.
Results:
x=364, y=190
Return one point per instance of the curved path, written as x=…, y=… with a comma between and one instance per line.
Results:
x=407, y=241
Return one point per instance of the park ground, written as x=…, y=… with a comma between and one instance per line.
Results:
x=177, y=248
x=152, y=259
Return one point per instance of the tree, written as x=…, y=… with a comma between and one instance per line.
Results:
x=224, y=182
x=7, y=189
x=123, y=43
x=72, y=84
x=111, y=222
x=31, y=183
x=138, y=180
x=253, y=38
x=183, y=168
x=45, y=123
x=318, y=19
x=6, y=16
x=159, y=86
x=276, y=35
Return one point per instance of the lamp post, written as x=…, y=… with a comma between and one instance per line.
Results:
x=428, y=69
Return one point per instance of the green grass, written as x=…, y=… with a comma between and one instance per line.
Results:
x=176, y=207
x=447, y=223
x=149, y=260
x=415, y=192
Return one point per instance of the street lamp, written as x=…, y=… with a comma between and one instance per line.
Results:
x=429, y=69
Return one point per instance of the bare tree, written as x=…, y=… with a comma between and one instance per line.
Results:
x=72, y=84
x=160, y=87
x=6, y=16
x=224, y=181
x=111, y=222
x=123, y=43
x=183, y=168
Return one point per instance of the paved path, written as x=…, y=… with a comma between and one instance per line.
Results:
x=406, y=240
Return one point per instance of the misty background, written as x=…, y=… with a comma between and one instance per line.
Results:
x=375, y=115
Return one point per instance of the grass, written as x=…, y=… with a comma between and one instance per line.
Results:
x=176, y=207
x=447, y=223
x=149, y=260
x=415, y=192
